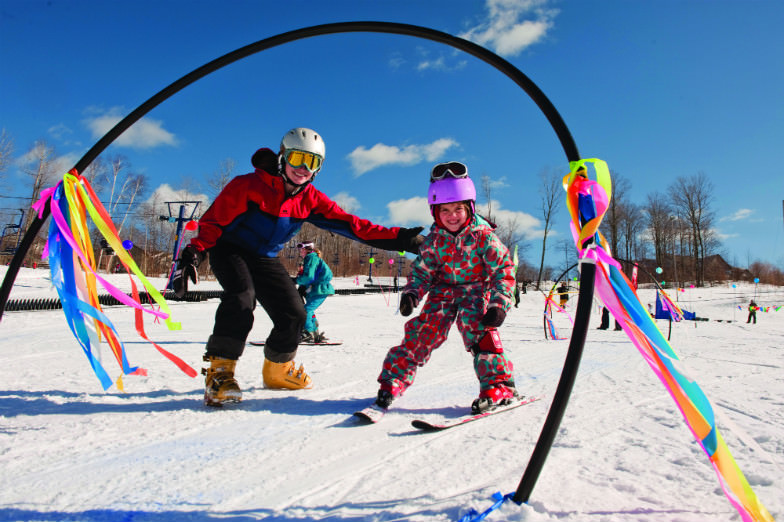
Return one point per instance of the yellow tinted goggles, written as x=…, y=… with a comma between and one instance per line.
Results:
x=299, y=158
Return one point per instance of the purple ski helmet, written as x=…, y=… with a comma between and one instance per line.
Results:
x=451, y=190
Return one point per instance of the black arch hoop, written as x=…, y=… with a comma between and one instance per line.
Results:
x=582, y=316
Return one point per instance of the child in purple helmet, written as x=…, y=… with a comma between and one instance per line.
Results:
x=469, y=277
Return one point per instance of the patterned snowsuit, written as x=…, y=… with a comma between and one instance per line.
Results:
x=463, y=275
x=317, y=276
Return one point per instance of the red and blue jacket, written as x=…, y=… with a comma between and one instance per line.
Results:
x=255, y=213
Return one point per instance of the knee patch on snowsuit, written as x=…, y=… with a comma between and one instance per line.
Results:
x=490, y=342
x=490, y=363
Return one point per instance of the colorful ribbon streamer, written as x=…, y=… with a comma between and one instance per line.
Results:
x=549, y=304
x=587, y=202
x=74, y=276
x=668, y=307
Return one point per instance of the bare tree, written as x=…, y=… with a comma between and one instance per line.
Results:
x=569, y=253
x=615, y=214
x=658, y=212
x=96, y=174
x=631, y=226
x=123, y=187
x=692, y=197
x=508, y=231
x=221, y=177
x=42, y=168
x=6, y=152
x=487, y=192
x=550, y=191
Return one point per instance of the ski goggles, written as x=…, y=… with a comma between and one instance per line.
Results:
x=453, y=169
x=300, y=158
x=308, y=244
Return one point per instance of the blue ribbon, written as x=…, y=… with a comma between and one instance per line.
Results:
x=474, y=516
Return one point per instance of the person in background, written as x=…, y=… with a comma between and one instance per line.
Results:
x=315, y=285
x=605, y=319
x=468, y=276
x=243, y=231
x=752, y=312
x=563, y=294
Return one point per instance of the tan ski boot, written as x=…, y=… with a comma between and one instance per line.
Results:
x=219, y=384
x=285, y=376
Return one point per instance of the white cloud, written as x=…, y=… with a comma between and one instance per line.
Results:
x=498, y=184
x=740, y=215
x=67, y=161
x=379, y=155
x=347, y=202
x=439, y=63
x=165, y=193
x=525, y=225
x=62, y=133
x=59, y=165
x=396, y=61
x=414, y=211
x=144, y=134
x=721, y=236
x=505, y=30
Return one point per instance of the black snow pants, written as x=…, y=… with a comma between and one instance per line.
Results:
x=246, y=278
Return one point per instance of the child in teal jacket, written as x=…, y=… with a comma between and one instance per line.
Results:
x=315, y=284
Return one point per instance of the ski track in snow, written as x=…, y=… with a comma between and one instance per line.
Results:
x=70, y=451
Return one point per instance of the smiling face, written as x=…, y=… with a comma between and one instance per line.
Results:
x=298, y=176
x=453, y=216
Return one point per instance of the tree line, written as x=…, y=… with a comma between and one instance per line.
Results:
x=674, y=228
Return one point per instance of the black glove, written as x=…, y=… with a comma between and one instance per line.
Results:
x=409, y=239
x=408, y=302
x=189, y=261
x=303, y=291
x=494, y=317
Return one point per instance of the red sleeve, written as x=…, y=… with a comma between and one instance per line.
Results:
x=327, y=214
x=230, y=203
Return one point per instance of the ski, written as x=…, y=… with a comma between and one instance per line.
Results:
x=325, y=343
x=459, y=421
x=372, y=414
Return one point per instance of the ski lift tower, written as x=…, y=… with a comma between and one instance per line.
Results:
x=370, y=253
x=180, y=220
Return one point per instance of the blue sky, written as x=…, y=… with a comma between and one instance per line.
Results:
x=657, y=89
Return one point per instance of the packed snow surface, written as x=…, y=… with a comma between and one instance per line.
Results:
x=154, y=453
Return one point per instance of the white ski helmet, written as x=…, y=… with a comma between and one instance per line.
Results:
x=304, y=139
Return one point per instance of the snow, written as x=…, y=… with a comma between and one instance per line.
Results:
x=70, y=451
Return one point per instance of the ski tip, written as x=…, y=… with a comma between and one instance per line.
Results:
x=425, y=426
x=370, y=415
x=364, y=419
